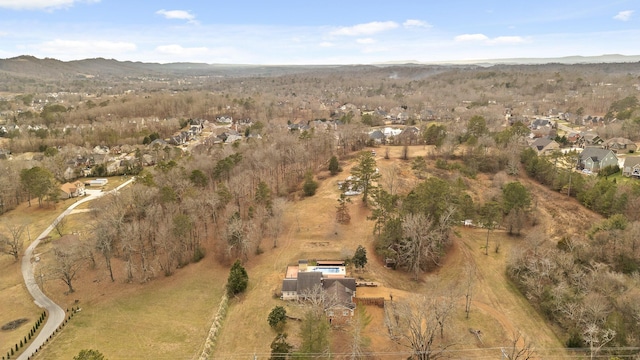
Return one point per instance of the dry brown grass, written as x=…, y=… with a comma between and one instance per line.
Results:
x=170, y=317
x=311, y=232
x=16, y=303
x=15, y=300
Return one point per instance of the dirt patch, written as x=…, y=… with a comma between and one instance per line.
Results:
x=12, y=325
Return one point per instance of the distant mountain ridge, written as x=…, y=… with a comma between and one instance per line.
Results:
x=53, y=69
x=566, y=60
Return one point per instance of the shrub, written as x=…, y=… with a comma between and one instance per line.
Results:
x=277, y=318
x=334, y=165
x=310, y=185
x=198, y=254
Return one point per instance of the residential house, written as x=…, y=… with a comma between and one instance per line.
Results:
x=544, y=146
x=620, y=145
x=631, y=166
x=410, y=135
x=178, y=139
x=327, y=276
x=71, y=190
x=538, y=124
x=195, y=130
x=340, y=310
x=589, y=138
x=377, y=137
x=224, y=119
x=298, y=127
x=573, y=137
x=595, y=158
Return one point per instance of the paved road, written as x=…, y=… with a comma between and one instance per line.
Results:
x=56, y=314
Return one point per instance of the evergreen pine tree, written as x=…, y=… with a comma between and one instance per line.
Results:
x=238, y=279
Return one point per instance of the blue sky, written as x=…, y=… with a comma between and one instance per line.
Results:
x=317, y=32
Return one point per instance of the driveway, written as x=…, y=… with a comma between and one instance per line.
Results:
x=56, y=314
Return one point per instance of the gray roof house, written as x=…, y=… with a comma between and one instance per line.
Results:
x=302, y=279
x=377, y=136
x=595, y=158
x=631, y=166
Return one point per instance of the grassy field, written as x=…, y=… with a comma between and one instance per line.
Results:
x=169, y=318
x=15, y=300
x=311, y=232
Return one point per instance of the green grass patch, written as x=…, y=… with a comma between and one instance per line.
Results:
x=166, y=319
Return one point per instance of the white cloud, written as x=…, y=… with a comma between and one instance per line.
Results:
x=326, y=44
x=624, y=15
x=365, y=41
x=97, y=48
x=175, y=49
x=471, y=37
x=40, y=4
x=366, y=29
x=177, y=14
x=482, y=38
x=507, y=40
x=412, y=23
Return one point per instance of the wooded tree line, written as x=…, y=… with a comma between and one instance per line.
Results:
x=227, y=198
x=587, y=285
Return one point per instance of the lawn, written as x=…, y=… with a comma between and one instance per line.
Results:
x=15, y=300
x=167, y=318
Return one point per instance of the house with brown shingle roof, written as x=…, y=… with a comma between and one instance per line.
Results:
x=70, y=190
x=620, y=145
x=544, y=146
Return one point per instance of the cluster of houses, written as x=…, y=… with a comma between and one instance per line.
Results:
x=593, y=153
x=184, y=136
x=329, y=276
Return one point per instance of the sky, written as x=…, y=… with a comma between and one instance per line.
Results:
x=300, y=32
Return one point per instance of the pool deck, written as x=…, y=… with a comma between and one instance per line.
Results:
x=293, y=270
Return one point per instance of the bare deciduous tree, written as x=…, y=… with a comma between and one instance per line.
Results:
x=238, y=242
x=414, y=248
x=390, y=179
x=519, y=348
x=274, y=224
x=414, y=324
x=359, y=342
x=597, y=338
x=469, y=279
x=66, y=264
x=12, y=244
x=60, y=225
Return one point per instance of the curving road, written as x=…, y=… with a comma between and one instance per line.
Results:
x=56, y=314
